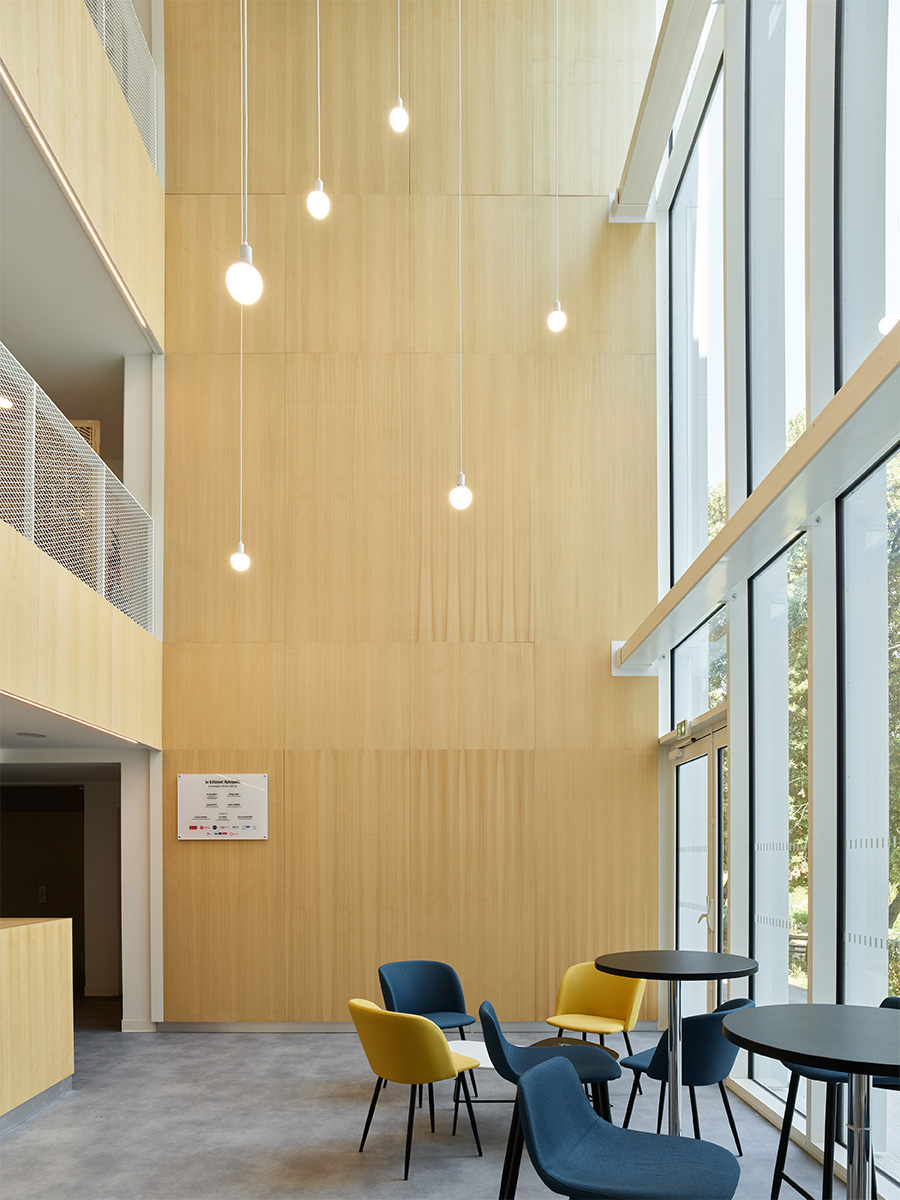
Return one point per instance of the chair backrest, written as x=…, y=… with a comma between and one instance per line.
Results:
x=707, y=1056
x=421, y=986
x=890, y=1002
x=401, y=1047
x=555, y=1115
x=497, y=1045
x=584, y=989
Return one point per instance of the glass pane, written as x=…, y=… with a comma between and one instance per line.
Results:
x=870, y=177
x=780, y=802
x=700, y=669
x=698, y=345
x=724, y=860
x=776, y=231
x=871, y=526
x=692, y=799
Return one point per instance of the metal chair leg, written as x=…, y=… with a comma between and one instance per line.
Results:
x=631, y=1099
x=455, y=1105
x=605, y=1106
x=694, y=1115
x=507, y=1189
x=431, y=1104
x=781, y=1156
x=662, y=1103
x=468, y=1100
x=378, y=1083
x=409, y=1128
x=730, y=1115
x=830, y=1139
x=462, y=1034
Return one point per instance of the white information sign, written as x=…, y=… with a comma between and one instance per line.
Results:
x=228, y=807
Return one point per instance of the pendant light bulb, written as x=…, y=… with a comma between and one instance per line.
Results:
x=399, y=117
x=557, y=318
x=239, y=560
x=242, y=279
x=5, y=402
x=317, y=201
x=461, y=496
x=886, y=324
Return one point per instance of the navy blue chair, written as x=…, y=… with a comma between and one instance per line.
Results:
x=578, y=1154
x=706, y=1058
x=832, y=1081
x=594, y=1066
x=429, y=989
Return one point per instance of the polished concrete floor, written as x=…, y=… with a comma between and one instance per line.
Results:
x=192, y=1116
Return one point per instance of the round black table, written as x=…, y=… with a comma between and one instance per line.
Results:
x=840, y=1037
x=676, y=966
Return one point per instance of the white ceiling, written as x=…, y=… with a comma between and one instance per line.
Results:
x=61, y=315
x=19, y=719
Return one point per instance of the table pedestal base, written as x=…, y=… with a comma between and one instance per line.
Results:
x=859, y=1138
x=674, y=1048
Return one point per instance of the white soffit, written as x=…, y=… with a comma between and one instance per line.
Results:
x=676, y=45
x=860, y=424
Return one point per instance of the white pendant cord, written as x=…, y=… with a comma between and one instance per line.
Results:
x=318, y=96
x=557, y=151
x=459, y=216
x=244, y=123
x=399, y=93
x=241, y=437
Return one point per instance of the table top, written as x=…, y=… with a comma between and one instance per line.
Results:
x=676, y=964
x=839, y=1037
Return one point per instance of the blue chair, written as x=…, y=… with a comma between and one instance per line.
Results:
x=832, y=1081
x=578, y=1154
x=706, y=1058
x=428, y=989
x=595, y=1068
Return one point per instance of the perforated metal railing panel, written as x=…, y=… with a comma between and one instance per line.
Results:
x=58, y=493
x=126, y=48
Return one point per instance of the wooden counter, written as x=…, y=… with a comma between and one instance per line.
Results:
x=37, y=1048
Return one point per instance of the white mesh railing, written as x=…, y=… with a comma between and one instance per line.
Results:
x=126, y=48
x=60, y=495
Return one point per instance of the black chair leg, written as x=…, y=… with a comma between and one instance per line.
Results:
x=630, y=1051
x=662, y=1103
x=830, y=1139
x=781, y=1156
x=631, y=1099
x=431, y=1104
x=409, y=1129
x=627, y=1041
x=420, y=1095
x=600, y=1101
x=730, y=1115
x=455, y=1105
x=694, y=1115
x=462, y=1034
x=378, y=1083
x=509, y=1177
x=468, y=1100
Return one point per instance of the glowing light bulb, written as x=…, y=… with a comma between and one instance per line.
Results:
x=239, y=560
x=886, y=324
x=317, y=201
x=242, y=279
x=399, y=117
x=5, y=402
x=461, y=496
x=557, y=318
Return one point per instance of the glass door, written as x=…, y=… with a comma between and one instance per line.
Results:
x=701, y=876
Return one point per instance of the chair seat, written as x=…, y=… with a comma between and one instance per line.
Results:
x=817, y=1074
x=592, y=1063
x=449, y=1020
x=638, y=1062
x=585, y=1023
x=631, y=1165
x=463, y=1062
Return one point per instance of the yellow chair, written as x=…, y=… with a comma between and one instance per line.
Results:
x=590, y=1001
x=406, y=1048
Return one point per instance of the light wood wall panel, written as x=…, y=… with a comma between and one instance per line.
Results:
x=348, y=504
x=472, y=695
x=223, y=903
x=223, y=695
x=37, y=1048
x=436, y=683
x=595, y=475
x=496, y=100
x=596, y=873
x=58, y=64
x=203, y=97
x=346, y=695
x=64, y=646
x=472, y=872
x=471, y=572
x=203, y=239
x=347, y=847
x=205, y=600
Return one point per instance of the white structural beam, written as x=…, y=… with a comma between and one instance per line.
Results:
x=676, y=45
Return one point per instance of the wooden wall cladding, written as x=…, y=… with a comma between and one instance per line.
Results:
x=57, y=61
x=461, y=776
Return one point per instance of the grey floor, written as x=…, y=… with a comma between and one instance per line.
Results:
x=253, y=1116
